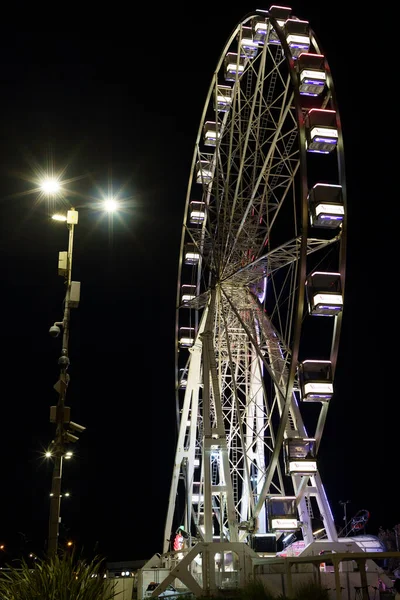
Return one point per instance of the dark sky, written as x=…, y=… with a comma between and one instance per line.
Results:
x=126, y=108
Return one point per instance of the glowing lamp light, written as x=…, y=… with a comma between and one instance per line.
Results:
x=110, y=205
x=50, y=185
x=58, y=217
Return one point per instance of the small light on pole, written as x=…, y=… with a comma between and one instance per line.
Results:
x=58, y=217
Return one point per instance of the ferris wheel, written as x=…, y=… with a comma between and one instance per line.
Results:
x=260, y=291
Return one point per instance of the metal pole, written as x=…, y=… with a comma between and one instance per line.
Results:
x=59, y=442
x=344, y=503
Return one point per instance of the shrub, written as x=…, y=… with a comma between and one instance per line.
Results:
x=311, y=591
x=63, y=577
x=256, y=590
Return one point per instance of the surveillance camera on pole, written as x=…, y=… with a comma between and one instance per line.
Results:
x=54, y=330
x=69, y=436
x=62, y=414
x=77, y=427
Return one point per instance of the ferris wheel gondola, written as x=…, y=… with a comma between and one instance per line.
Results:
x=262, y=256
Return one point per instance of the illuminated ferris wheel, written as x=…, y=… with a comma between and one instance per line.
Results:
x=260, y=291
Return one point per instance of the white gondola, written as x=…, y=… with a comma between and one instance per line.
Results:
x=186, y=337
x=316, y=380
x=281, y=14
x=204, y=171
x=210, y=133
x=188, y=293
x=325, y=203
x=234, y=66
x=223, y=98
x=297, y=35
x=324, y=294
x=321, y=131
x=248, y=46
x=197, y=212
x=191, y=254
x=312, y=75
x=282, y=513
x=300, y=456
x=259, y=27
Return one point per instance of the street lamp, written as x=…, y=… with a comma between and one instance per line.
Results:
x=60, y=414
x=66, y=429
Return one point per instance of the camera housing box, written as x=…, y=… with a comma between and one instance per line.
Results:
x=74, y=294
x=53, y=414
x=63, y=263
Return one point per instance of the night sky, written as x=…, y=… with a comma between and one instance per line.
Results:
x=122, y=111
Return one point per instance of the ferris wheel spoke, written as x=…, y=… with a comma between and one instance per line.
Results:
x=261, y=177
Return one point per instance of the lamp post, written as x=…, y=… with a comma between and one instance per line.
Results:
x=60, y=414
x=344, y=503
